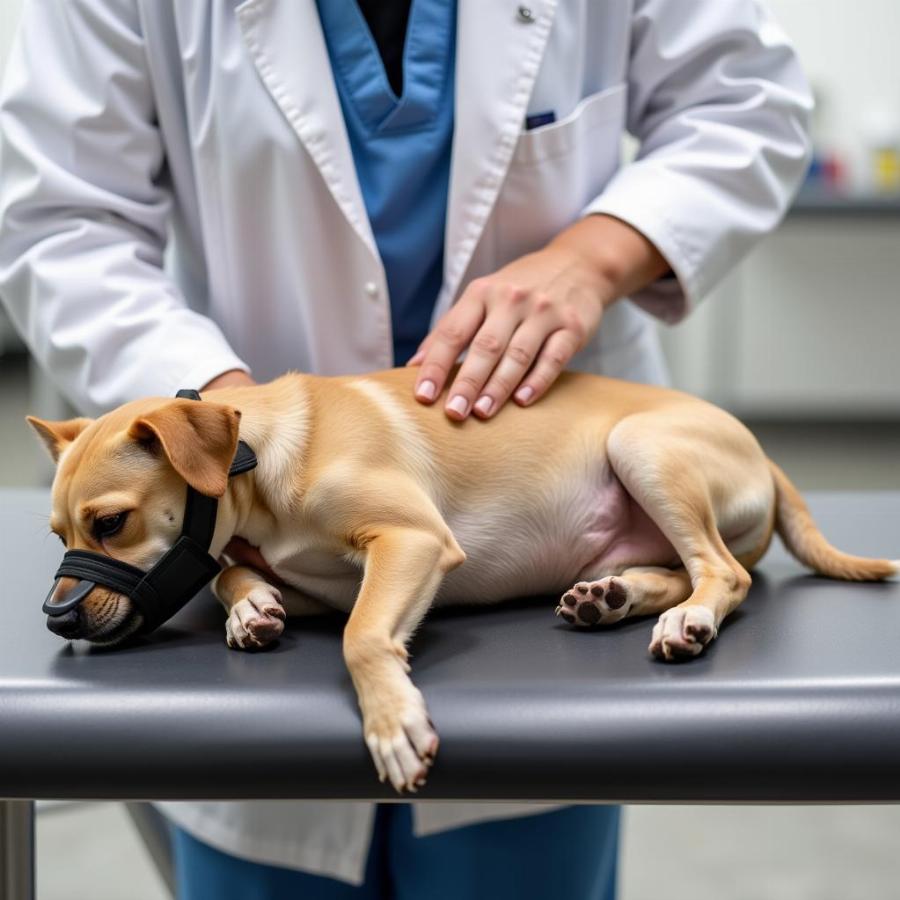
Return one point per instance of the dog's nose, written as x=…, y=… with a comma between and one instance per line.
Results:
x=68, y=625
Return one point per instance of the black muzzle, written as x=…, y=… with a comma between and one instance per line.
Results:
x=176, y=577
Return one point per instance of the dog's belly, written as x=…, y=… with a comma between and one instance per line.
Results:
x=578, y=529
x=581, y=529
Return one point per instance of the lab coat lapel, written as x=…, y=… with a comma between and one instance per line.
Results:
x=287, y=46
x=499, y=51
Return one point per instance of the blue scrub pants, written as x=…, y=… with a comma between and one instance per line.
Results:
x=569, y=853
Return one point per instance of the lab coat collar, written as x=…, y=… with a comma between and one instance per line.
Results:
x=286, y=44
x=499, y=51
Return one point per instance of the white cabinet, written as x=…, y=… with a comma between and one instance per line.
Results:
x=808, y=327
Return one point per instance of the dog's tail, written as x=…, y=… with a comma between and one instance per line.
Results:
x=804, y=540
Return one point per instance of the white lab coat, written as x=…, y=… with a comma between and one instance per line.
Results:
x=216, y=124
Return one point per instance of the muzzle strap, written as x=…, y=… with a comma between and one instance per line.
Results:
x=173, y=581
x=113, y=573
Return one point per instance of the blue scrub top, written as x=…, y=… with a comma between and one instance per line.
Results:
x=401, y=149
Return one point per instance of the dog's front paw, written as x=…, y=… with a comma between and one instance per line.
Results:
x=682, y=631
x=256, y=620
x=402, y=741
x=595, y=602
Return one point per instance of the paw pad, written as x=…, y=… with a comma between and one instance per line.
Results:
x=594, y=603
x=701, y=633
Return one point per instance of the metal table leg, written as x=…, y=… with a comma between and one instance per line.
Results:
x=16, y=850
x=154, y=832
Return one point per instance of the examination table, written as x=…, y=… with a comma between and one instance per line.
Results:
x=797, y=701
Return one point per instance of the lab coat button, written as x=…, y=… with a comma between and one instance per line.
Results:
x=526, y=14
x=371, y=289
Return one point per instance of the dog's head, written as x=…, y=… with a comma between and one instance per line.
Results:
x=120, y=490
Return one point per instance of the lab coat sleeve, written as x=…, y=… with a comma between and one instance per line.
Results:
x=720, y=106
x=84, y=211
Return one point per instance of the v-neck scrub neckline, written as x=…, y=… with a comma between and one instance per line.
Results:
x=401, y=149
x=360, y=73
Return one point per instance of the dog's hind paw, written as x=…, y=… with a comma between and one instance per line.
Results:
x=682, y=631
x=595, y=602
x=257, y=620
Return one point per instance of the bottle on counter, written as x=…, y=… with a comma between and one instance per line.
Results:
x=881, y=134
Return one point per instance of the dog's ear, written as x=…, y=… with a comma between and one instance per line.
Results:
x=58, y=435
x=199, y=440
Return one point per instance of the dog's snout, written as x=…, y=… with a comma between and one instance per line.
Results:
x=68, y=625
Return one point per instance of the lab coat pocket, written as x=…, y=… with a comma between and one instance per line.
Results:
x=557, y=169
x=603, y=109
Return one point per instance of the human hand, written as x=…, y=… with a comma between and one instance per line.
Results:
x=231, y=378
x=523, y=324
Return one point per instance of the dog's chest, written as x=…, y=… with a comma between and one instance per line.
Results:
x=316, y=570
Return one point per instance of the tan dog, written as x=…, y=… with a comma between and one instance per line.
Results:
x=632, y=500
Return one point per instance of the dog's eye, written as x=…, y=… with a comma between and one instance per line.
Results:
x=106, y=526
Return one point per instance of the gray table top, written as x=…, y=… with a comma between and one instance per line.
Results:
x=798, y=700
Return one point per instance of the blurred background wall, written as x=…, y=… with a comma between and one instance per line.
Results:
x=806, y=329
x=802, y=342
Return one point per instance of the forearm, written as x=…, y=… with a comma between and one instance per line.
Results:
x=107, y=326
x=622, y=258
x=721, y=114
x=523, y=323
x=83, y=226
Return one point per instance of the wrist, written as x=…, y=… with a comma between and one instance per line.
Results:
x=231, y=378
x=619, y=257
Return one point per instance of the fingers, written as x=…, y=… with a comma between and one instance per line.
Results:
x=443, y=346
x=518, y=334
x=417, y=357
x=555, y=355
x=490, y=343
x=510, y=356
x=516, y=360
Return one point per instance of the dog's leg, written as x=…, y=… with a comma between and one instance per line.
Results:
x=638, y=591
x=403, y=569
x=256, y=609
x=695, y=478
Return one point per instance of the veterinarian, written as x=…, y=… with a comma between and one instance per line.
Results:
x=197, y=193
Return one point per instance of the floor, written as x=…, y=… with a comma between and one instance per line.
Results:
x=703, y=853
x=91, y=852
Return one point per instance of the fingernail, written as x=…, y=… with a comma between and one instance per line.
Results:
x=426, y=390
x=484, y=405
x=523, y=395
x=459, y=405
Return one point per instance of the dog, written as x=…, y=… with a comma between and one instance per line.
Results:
x=625, y=499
